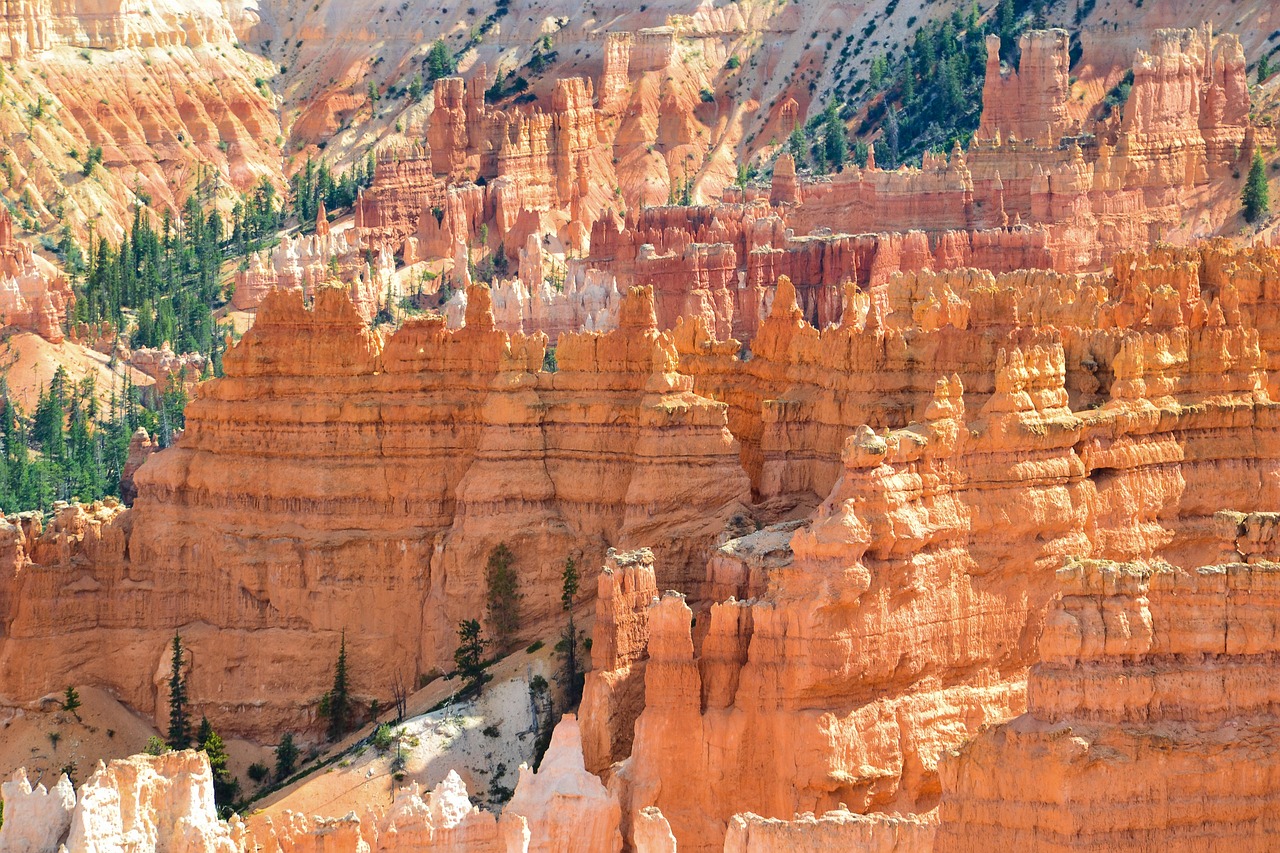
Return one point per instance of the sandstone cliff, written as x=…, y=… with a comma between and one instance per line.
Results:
x=332, y=482
x=1148, y=674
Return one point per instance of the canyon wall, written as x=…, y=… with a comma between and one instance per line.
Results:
x=905, y=614
x=1151, y=706
x=161, y=90
x=332, y=482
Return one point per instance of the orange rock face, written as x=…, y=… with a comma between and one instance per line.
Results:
x=166, y=92
x=906, y=614
x=1148, y=674
x=325, y=456
x=547, y=164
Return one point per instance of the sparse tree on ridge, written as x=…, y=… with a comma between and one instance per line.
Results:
x=1256, y=197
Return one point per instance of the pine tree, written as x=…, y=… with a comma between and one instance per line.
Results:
x=179, y=722
x=569, y=641
x=891, y=138
x=469, y=656
x=286, y=757
x=835, y=140
x=339, y=698
x=439, y=61
x=225, y=786
x=71, y=701
x=1264, y=68
x=1256, y=197
x=503, y=604
x=795, y=145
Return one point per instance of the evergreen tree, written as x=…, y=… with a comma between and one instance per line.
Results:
x=891, y=138
x=439, y=61
x=469, y=656
x=179, y=722
x=1264, y=68
x=570, y=641
x=1256, y=197
x=338, y=706
x=795, y=146
x=503, y=604
x=286, y=757
x=225, y=786
x=837, y=144
x=71, y=701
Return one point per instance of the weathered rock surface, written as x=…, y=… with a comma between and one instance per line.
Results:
x=332, y=482
x=38, y=819
x=1149, y=674
x=32, y=298
x=1035, y=189
x=145, y=804
x=907, y=613
x=164, y=804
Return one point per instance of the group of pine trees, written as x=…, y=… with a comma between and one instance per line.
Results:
x=167, y=275
x=315, y=183
x=927, y=98
x=226, y=788
x=71, y=447
x=502, y=612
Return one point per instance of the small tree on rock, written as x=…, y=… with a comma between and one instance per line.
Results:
x=71, y=701
x=469, y=656
x=179, y=720
x=570, y=641
x=225, y=786
x=286, y=757
x=503, y=606
x=336, y=704
x=1256, y=197
x=439, y=60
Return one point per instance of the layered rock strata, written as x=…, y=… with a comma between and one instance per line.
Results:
x=908, y=611
x=1150, y=721
x=332, y=482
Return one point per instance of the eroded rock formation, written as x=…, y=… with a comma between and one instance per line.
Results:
x=304, y=264
x=329, y=465
x=906, y=614
x=1036, y=189
x=32, y=298
x=1148, y=674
